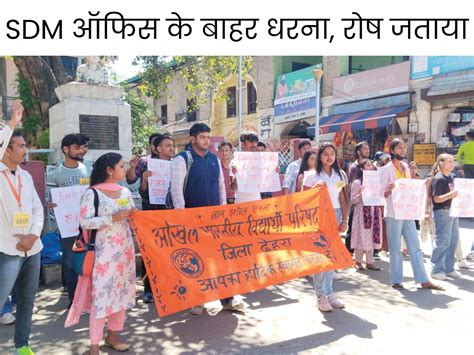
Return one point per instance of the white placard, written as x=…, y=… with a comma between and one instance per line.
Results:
x=409, y=199
x=159, y=182
x=68, y=200
x=256, y=171
x=373, y=192
x=463, y=205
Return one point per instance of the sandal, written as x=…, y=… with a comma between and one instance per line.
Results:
x=372, y=267
x=121, y=347
x=431, y=286
x=359, y=266
x=398, y=286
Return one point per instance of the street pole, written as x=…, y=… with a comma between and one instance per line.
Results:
x=317, y=73
x=239, y=108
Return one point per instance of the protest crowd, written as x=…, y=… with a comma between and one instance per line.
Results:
x=369, y=202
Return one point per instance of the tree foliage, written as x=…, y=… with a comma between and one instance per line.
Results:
x=203, y=75
x=143, y=122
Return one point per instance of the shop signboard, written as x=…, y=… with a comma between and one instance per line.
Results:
x=424, y=153
x=424, y=66
x=295, y=96
x=389, y=80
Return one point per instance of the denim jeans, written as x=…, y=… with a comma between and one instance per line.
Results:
x=446, y=240
x=70, y=276
x=395, y=229
x=23, y=272
x=322, y=282
x=7, y=307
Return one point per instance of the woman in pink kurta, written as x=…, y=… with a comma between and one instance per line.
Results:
x=366, y=223
x=110, y=291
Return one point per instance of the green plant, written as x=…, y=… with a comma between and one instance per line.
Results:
x=31, y=122
x=143, y=123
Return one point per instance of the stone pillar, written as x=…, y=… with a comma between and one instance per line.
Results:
x=96, y=110
x=331, y=69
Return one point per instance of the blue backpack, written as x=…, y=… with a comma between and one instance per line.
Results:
x=51, y=253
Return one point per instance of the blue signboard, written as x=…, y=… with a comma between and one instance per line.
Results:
x=423, y=67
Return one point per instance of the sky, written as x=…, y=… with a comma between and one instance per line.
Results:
x=123, y=67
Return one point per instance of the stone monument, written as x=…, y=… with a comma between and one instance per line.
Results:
x=93, y=107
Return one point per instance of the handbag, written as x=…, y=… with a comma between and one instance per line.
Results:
x=83, y=254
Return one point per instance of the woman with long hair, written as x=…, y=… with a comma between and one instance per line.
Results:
x=110, y=290
x=446, y=227
x=308, y=163
x=366, y=223
x=328, y=172
x=396, y=228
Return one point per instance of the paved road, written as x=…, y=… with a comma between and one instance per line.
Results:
x=284, y=319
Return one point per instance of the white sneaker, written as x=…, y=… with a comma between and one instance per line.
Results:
x=337, y=276
x=463, y=264
x=197, y=311
x=7, y=318
x=334, y=301
x=323, y=304
x=233, y=306
x=439, y=276
x=455, y=274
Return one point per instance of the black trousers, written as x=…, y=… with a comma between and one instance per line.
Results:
x=468, y=171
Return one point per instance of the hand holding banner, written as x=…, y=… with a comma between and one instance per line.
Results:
x=256, y=171
x=198, y=255
x=463, y=205
x=67, y=200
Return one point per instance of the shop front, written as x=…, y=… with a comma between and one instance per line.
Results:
x=368, y=106
x=452, y=109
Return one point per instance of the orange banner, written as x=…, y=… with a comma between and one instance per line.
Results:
x=198, y=255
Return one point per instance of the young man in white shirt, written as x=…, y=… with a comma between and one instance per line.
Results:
x=21, y=222
x=249, y=142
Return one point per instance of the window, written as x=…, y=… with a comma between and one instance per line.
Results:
x=231, y=102
x=298, y=66
x=362, y=63
x=191, y=110
x=251, y=98
x=164, y=114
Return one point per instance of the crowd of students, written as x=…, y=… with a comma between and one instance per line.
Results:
x=199, y=178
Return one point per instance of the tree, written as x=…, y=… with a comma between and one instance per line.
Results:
x=143, y=122
x=203, y=75
x=37, y=78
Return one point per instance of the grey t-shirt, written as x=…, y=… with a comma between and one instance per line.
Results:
x=63, y=176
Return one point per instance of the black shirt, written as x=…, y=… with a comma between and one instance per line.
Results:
x=441, y=185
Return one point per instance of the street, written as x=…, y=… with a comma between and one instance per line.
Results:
x=285, y=319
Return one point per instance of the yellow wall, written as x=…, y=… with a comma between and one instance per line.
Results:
x=226, y=127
